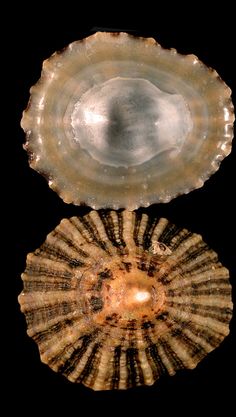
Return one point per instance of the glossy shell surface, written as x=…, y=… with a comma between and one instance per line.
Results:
x=118, y=121
x=117, y=299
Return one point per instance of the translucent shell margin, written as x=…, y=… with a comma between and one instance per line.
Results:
x=56, y=152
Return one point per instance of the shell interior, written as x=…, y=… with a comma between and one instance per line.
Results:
x=116, y=299
x=118, y=121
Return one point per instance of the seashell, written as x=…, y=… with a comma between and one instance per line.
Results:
x=117, y=299
x=118, y=121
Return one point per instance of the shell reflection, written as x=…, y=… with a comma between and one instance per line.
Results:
x=117, y=299
x=117, y=121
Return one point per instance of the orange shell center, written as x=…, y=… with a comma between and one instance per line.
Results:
x=123, y=295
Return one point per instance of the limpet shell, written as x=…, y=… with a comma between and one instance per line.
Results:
x=116, y=299
x=118, y=121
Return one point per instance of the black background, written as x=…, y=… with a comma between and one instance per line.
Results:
x=209, y=211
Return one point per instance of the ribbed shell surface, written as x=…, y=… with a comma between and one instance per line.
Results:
x=117, y=299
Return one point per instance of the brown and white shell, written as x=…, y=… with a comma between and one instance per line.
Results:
x=117, y=121
x=116, y=299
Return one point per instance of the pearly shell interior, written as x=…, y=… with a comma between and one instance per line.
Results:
x=116, y=299
x=118, y=121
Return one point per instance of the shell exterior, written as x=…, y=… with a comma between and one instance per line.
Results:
x=117, y=299
x=117, y=121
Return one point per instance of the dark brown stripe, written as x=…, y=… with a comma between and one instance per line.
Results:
x=51, y=252
x=116, y=368
x=195, y=292
x=109, y=227
x=101, y=276
x=138, y=217
x=197, y=286
x=121, y=228
x=135, y=374
x=43, y=286
x=164, y=278
x=147, y=325
x=203, y=265
x=90, y=226
x=169, y=233
x=185, y=260
x=221, y=314
x=180, y=236
x=77, y=354
x=49, y=312
x=162, y=316
x=194, y=251
x=143, y=262
x=91, y=365
x=96, y=304
x=154, y=266
x=130, y=325
x=158, y=367
x=195, y=349
x=211, y=336
x=105, y=274
x=40, y=270
x=71, y=244
x=191, y=254
x=126, y=265
x=151, y=224
x=55, y=328
x=171, y=355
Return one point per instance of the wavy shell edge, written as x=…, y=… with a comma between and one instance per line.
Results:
x=46, y=74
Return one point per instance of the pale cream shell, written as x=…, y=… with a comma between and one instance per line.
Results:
x=73, y=173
